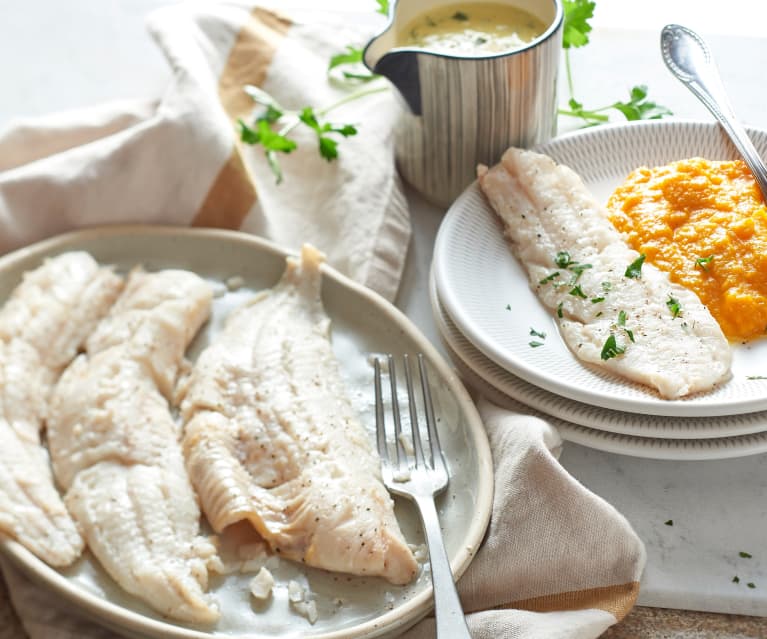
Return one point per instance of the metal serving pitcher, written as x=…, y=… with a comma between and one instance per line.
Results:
x=461, y=110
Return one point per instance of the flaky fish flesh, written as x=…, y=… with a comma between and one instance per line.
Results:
x=115, y=445
x=42, y=325
x=612, y=310
x=270, y=437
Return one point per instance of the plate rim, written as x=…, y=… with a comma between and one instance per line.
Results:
x=109, y=613
x=441, y=319
x=519, y=367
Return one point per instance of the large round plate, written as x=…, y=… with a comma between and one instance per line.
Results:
x=593, y=417
x=362, y=323
x=485, y=289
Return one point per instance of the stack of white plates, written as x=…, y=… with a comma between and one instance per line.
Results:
x=488, y=317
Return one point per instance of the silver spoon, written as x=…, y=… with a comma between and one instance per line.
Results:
x=688, y=57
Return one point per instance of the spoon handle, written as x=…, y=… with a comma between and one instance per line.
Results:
x=688, y=57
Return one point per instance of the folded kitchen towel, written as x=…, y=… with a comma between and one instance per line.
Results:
x=557, y=561
x=179, y=160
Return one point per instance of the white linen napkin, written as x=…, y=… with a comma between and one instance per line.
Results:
x=557, y=560
x=178, y=160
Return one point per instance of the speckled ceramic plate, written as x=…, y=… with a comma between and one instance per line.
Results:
x=485, y=289
x=593, y=417
x=362, y=323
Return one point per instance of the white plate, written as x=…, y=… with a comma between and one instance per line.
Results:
x=646, y=447
x=363, y=323
x=593, y=417
x=477, y=278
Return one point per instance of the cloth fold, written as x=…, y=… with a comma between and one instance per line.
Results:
x=557, y=561
x=178, y=160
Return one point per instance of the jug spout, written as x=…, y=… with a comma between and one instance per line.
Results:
x=399, y=66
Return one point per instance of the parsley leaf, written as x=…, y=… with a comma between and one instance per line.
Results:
x=634, y=269
x=577, y=292
x=736, y=579
x=548, y=278
x=596, y=300
x=670, y=522
x=703, y=262
x=745, y=555
x=611, y=348
x=351, y=58
x=751, y=584
x=383, y=7
x=460, y=16
x=535, y=333
x=674, y=306
x=639, y=107
x=622, y=318
x=562, y=259
x=576, y=26
x=560, y=314
x=535, y=344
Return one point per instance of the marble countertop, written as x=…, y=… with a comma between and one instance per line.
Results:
x=67, y=55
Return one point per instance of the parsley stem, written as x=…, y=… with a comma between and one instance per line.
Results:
x=295, y=120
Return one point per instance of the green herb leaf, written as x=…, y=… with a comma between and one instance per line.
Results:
x=576, y=26
x=670, y=522
x=535, y=344
x=606, y=286
x=460, y=16
x=352, y=55
x=634, y=269
x=508, y=307
x=562, y=259
x=535, y=333
x=578, y=269
x=577, y=292
x=674, y=306
x=639, y=107
x=596, y=300
x=630, y=334
x=622, y=318
x=736, y=579
x=703, y=262
x=328, y=148
x=611, y=348
x=549, y=278
x=745, y=555
x=756, y=376
x=559, y=310
x=751, y=584
x=383, y=7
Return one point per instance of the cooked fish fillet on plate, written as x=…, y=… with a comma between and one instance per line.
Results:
x=612, y=310
x=42, y=325
x=115, y=445
x=271, y=438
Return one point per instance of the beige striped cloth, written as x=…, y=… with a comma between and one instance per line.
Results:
x=557, y=560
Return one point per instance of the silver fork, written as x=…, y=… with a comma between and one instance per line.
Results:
x=420, y=478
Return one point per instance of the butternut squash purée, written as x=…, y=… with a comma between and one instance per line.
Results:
x=705, y=223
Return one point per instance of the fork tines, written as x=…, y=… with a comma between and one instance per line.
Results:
x=435, y=452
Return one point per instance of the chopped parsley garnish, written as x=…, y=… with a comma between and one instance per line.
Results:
x=460, y=16
x=549, y=278
x=744, y=554
x=596, y=300
x=703, y=262
x=535, y=333
x=634, y=269
x=559, y=310
x=736, y=579
x=562, y=259
x=606, y=286
x=508, y=307
x=751, y=584
x=622, y=318
x=611, y=348
x=383, y=7
x=577, y=292
x=578, y=269
x=756, y=376
x=670, y=522
x=630, y=334
x=535, y=344
x=674, y=306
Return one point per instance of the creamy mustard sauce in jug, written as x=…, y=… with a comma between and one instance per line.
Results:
x=472, y=29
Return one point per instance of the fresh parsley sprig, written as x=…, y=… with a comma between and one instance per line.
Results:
x=575, y=33
x=271, y=127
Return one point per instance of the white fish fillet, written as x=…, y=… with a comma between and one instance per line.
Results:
x=42, y=326
x=270, y=437
x=546, y=209
x=115, y=446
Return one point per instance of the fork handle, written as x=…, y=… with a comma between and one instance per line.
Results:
x=448, y=613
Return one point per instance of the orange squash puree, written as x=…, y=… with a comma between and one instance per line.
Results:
x=686, y=212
